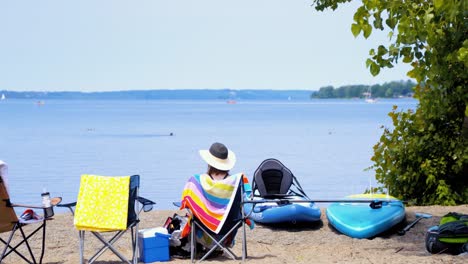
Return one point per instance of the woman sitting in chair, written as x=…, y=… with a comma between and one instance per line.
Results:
x=215, y=198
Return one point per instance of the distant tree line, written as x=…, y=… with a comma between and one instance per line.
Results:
x=387, y=90
x=165, y=94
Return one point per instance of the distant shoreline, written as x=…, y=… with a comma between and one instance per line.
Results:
x=181, y=95
x=395, y=89
x=204, y=94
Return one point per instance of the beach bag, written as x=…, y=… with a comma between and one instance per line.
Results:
x=178, y=245
x=450, y=236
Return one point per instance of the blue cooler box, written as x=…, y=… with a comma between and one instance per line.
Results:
x=153, y=246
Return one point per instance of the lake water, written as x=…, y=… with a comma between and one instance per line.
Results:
x=327, y=144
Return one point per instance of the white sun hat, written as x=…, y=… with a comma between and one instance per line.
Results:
x=219, y=157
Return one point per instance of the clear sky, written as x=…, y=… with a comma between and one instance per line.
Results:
x=104, y=45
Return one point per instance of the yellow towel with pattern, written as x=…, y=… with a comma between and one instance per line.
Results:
x=102, y=203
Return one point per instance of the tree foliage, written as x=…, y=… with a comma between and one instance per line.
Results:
x=386, y=90
x=424, y=157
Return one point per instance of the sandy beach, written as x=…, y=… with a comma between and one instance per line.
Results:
x=306, y=244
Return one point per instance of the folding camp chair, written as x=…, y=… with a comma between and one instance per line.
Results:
x=9, y=222
x=236, y=218
x=109, y=204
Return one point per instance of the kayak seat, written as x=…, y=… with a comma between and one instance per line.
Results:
x=272, y=178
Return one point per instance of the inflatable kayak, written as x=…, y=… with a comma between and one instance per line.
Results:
x=285, y=212
x=361, y=220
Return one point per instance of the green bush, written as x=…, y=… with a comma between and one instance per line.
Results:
x=423, y=158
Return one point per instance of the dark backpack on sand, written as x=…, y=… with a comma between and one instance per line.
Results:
x=450, y=236
x=178, y=246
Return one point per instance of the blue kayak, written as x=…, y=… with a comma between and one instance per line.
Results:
x=359, y=220
x=279, y=196
x=275, y=213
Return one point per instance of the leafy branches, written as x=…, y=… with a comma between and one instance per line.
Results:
x=424, y=157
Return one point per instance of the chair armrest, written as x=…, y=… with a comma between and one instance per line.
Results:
x=69, y=206
x=147, y=204
x=144, y=201
x=48, y=211
x=54, y=202
x=27, y=206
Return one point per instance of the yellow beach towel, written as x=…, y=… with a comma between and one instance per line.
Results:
x=102, y=203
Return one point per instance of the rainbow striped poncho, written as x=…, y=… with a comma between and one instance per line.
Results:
x=210, y=201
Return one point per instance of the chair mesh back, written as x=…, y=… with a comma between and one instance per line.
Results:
x=272, y=177
x=133, y=195
x=7, y=215
x=235, y=214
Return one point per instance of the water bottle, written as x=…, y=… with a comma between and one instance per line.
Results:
x=45, y=198
x=48, y=210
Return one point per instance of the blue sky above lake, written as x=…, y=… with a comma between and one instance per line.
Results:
x=106, y=45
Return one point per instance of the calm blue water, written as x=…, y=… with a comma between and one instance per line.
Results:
x=326, y=143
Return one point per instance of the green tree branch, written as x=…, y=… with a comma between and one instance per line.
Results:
x=424, y=157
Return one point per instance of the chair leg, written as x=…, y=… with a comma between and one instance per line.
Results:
x=135, y=244
x=132, y=231
x=7, y=245
x=108, y=245
x=193, y=242
x=81, y=234
x=12, y=249
x=244, y=242
x=218, y=242
x=105, y=247
x=43, y=241
x=25, y=239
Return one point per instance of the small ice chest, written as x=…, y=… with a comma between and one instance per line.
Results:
x=153, y=246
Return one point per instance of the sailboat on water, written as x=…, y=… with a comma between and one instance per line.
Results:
x=3, y=97
x=368, y=96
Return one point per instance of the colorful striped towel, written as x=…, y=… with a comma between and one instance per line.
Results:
x=209, y=200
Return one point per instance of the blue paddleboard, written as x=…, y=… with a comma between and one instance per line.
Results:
x=359, y=220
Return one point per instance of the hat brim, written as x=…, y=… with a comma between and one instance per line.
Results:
x=220, y=164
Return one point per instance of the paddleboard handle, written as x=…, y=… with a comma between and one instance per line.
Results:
x=376, y=204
